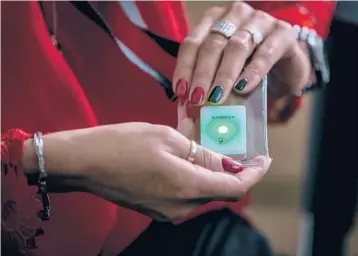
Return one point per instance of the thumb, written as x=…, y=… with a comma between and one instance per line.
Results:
x=223, y=185
x=216, y=162
x=203, y=183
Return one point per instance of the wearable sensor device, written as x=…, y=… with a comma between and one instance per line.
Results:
x=223, y=130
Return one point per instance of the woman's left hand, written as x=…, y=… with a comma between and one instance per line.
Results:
x=210, y=65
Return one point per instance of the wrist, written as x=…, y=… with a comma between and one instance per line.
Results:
x=63, y=175
x=29, y=160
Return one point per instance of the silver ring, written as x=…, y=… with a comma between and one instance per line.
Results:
x=192, y=151
x=255, y=34
x=224, y=27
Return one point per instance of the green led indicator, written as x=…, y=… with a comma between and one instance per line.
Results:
x=223, y=129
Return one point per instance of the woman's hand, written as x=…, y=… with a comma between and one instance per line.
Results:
x=209, y=65
x=143, y=167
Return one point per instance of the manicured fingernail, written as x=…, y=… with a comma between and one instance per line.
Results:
x=231, y=166
x=197, y=96
x=181, y=88
x=216, y=94
x=241, y=84
x=299, y=101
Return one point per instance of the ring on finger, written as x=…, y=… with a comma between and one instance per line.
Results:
x=192, y=151
x=224, y=27
x=256, y=35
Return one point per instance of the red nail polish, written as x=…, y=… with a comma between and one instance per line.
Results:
x=299, y=101
x=197, y=96
x=181, y=88
x=230, y=165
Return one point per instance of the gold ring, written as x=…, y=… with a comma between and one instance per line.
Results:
x=192, y=151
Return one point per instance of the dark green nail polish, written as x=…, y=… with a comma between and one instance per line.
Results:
x=241, y=84
x=216, y=94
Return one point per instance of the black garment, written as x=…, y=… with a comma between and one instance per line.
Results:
x=218, y=233
x=334, y=186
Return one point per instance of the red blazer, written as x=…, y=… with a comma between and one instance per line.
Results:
x=93, y=82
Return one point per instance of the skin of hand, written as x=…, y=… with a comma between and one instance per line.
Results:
x=210, y=66
x=282, y=105
x=143, y=167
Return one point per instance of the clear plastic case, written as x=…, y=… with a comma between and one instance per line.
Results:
x=237, y=128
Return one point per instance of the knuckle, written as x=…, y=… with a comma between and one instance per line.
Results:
x=237, y=43
x=284, y=25
x=256, y=68
x=214, y=12
x=264, y=16
x=170, y=139
x=166, y=133
x=190, y=43
x=266, y=54
x=289, y=32
x=241, y=8
x=187, y=53
x=207, y=156
x=213, y=44
x=226, y=77
x=238, y=5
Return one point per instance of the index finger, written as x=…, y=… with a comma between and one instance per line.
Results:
x=266, y=56
x=188, y=50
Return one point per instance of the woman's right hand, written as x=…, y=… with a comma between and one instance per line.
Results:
x=143, y=167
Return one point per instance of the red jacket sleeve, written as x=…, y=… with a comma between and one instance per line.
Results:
x=20, y=223
x=313, y=14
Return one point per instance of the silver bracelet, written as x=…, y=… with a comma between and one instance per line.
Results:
x=316, y=47
x=42, y=195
